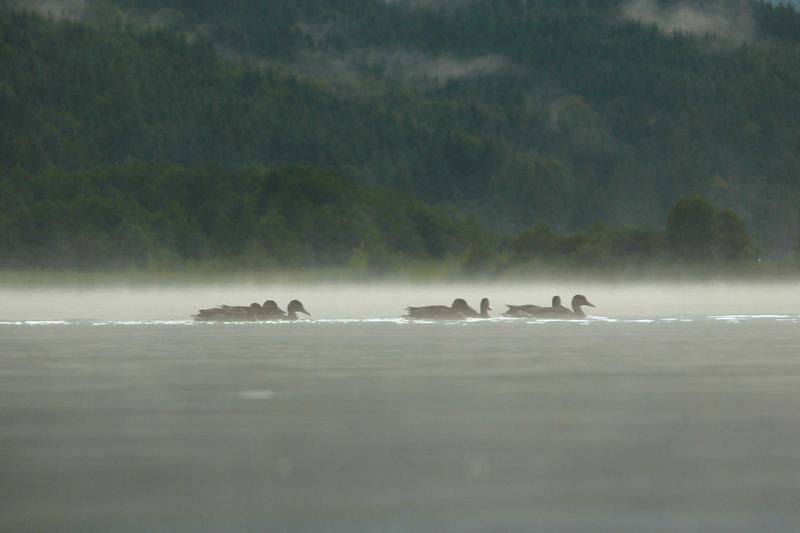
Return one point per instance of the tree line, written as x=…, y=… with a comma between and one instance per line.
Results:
x=545, y=113
x=163, y=216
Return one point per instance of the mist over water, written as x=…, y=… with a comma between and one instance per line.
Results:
x=388, y=300
x=673, y=409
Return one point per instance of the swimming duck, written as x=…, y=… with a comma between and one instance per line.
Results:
x=485, y=308
x=271, y=311
x=470, y=313
x=530, y=309
x=555, y=310
x=578, y=301
x=295, y=307
x=457, y=311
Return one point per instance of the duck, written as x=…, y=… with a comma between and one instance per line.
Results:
x=484, y=307
x=555, y=309
x=294, y=307
x=458, y=310
x=578, y=301
x=271, y=311
x=229, y=312
x=531, y=309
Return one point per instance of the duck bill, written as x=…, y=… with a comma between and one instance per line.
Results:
x=304, y=312
x=590, y=304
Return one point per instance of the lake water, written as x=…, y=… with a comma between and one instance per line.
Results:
x=673, y=409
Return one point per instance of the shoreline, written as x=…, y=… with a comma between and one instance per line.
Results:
x=429, y=274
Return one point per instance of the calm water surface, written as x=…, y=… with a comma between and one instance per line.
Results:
x=136, y=419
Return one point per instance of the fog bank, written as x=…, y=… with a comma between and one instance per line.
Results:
x=729, y=20
x=386, y=300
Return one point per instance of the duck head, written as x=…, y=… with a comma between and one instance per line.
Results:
x=270, y=306
x=255, y=307
x=557, y=301
x=459, y=304
x=579, y=299
x=485, y=307
x=296, y=307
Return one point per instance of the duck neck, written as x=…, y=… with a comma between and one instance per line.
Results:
x=576, y=308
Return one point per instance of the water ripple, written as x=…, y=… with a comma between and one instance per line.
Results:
x=598, y=320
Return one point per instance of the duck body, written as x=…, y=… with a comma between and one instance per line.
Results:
x=522, y=310
x=457, y=311
x=250, y=313
x=578, y=302
x=531, y=310
x=433, y=312
x=229, y=313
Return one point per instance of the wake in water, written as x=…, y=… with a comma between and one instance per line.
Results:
x=472, y=322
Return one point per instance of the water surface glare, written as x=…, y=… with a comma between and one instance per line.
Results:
x=627, y=422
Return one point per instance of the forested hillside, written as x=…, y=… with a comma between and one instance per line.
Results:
x=148, y=215
x=520, y=113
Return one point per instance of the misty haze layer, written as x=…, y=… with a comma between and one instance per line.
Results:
x=730, y=20
x=381, y=300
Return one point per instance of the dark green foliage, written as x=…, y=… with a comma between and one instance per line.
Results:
x=797, y=251
x=731, y=243
x=520, y=113
x=143, y=215
x=597, y=249
x=146, y=216
x=691, y=229
x=697, y=232
x=778, y=20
